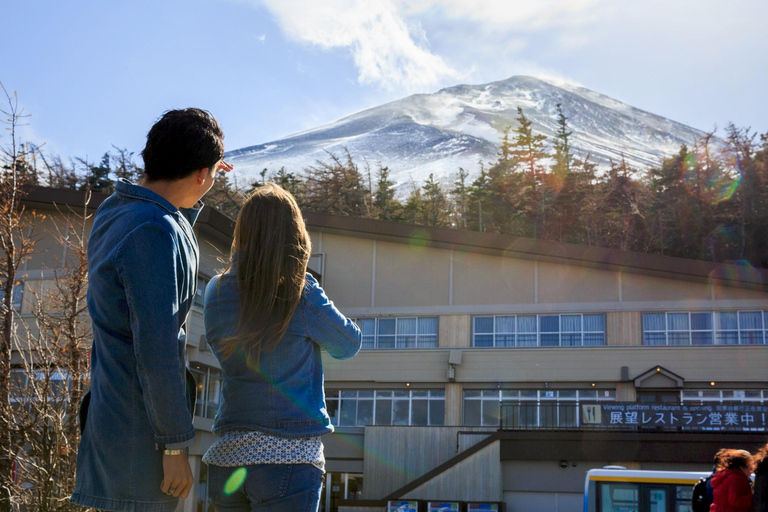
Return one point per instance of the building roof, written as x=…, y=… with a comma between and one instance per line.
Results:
x=214, y=222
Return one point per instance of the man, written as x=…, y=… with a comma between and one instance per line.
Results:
x=142, y=269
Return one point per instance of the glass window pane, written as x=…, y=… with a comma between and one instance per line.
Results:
x=679, y=338
x=332, y=406
x=428, y=325
x=549, y=324
x=570, y=339
x=490, y=412
x=406, y=326
x=383, y=412
x=472, y=393
x=420, y=412
x=677, y=321
x=728, y=320
x=750, y=320
x=701, y=321
x=367, y=325
x=349, y=394
x=426, y=341
x=571, y=323
x=594, y=323
x=483, y=324
x=437, y=393
x=419, y=393
x=369, y=342
x=484, y=340
x=550, y=340
x=526, y=340
x=401, y=394
x=491, y=394
x=751, y=337
x=654, y=338
x=348, y=415
x=567, y=395
x=387, y=394
x=593, y=339
x=702, y=338
x=472, y=412
x=505, y=324
x=529, y=394
x=386, y=342
x=653, y=322
x=400, y=412
x=526, y=323
x=406, y=341
x=365, y=394
x=505, y=340
x=364, y=413
x=436, y=412
x=386, y=326
x=727, y=337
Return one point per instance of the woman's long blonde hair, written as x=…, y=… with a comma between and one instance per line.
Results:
x=270, y=251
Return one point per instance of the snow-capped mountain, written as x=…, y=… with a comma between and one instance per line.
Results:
x=462, y=125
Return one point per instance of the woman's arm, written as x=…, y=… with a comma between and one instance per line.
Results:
x=326, y=326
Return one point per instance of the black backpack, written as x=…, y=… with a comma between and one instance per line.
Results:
x=699, y=499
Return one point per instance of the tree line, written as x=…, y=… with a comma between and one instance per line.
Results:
x=709, y=201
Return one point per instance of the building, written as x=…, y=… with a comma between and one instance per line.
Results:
x=502, y=369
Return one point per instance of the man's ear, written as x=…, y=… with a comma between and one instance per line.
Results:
x=202, y=174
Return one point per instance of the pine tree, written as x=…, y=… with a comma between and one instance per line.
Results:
x=528, y=150
x=479, y=200
x=97, y=177
x=384, y=199
x=563, y=156
x=435, y=204
x=460, y=193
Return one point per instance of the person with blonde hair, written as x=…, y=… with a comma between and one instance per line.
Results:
x=267, y=320
x=760, y=466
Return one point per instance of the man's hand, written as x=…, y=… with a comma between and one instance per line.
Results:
x=177, y=476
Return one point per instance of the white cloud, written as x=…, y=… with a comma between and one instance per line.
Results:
x=262, y=38
x=383, y=48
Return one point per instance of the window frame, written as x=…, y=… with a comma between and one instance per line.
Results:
x=419, y=342
x=495, y=334
x=716, y=330
x=336, y=397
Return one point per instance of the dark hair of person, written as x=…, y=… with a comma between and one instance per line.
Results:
x=270, y=251
x=760, y=456
x=735, y=459
x=718, y=457
x=181, y=142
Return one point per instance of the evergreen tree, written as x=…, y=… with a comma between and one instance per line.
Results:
x=336, y=187
x=460, y=193
x=384, y=201
x=435, y=211
x=479, y=199
x=563, y=156
x=97, y=176
x=529, y=151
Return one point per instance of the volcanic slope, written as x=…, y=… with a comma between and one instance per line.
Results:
x=462, y=125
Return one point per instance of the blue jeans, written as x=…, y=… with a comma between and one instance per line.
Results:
x=266, y=488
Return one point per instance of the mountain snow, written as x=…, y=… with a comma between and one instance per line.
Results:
x=462, y=125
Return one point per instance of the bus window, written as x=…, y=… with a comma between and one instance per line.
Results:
x=683, y=498
x=657, y=499
x=619, y=497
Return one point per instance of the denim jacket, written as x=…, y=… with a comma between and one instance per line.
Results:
x=284, y=396
x=142, y=270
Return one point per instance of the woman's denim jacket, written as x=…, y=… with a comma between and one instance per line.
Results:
x=284, y=396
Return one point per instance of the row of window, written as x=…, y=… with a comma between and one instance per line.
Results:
x=572, y=330
x=360, y=408
x=16, y=299
x=707, y=328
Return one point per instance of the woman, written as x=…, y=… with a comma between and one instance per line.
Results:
x=266, y=320
x=760, y=463
x=730, y=485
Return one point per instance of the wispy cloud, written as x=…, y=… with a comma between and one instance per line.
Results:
x=262, y=38
x=387, y=51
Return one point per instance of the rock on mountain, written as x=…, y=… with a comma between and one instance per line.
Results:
x=462, y=125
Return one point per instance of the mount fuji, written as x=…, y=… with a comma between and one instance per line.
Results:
x=462, y=125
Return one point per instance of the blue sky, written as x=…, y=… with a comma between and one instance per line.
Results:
x=97, y=73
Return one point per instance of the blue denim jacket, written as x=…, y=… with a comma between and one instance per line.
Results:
x=285, y=396
x=142, y=270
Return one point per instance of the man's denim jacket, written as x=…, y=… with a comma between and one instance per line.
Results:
x=285, y=395
x=142, y=269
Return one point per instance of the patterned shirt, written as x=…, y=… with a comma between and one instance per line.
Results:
x=243, y=448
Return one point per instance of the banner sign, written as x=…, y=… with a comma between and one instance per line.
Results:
x=736, y=417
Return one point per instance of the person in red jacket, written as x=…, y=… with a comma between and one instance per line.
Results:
x=730, y=485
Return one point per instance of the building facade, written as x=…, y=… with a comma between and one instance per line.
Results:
x=501, y=369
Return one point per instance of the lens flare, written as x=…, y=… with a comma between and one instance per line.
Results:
x=419, y=239
x=235, y=481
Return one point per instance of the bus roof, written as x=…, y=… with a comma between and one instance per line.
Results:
x=641, y=476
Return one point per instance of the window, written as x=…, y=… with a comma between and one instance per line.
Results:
x=199, y=299
x=575, y=330
x=410, y=407
x=208, y=391
x=399, y=332
x=18, y=296
x=708, y=396
x=705, y=328
x=532, y=408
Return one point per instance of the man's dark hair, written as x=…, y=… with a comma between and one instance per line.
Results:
x=181, y=142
